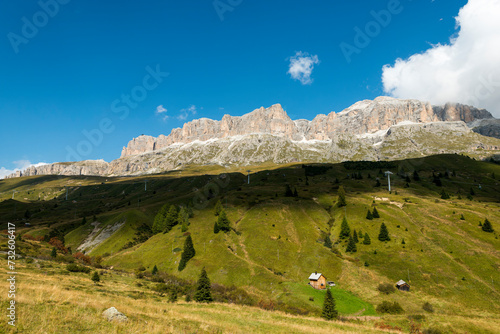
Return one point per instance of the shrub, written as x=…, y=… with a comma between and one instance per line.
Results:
x=75, y=268
x=386, y=288
x=431, y=330
x=391, y=308
x=428, y=307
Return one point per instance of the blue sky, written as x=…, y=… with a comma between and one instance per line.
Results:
x=71, y=73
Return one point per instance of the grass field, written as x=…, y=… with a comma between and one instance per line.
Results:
x=277, y=241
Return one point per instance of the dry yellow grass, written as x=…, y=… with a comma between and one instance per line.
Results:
x=50, y=301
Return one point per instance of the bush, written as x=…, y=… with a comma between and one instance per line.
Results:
x=428, y=307
x=431, y=330
x=388, y=307
x=416, y=317
x=386, y=288
x=75, y=268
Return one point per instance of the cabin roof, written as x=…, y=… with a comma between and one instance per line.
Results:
x=401, y=282
x=315, y=276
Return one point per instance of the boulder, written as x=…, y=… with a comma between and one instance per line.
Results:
x=112, y=314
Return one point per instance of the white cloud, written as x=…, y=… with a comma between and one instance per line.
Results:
x=20, y=166
x=184, y=113
x=301, y=66
x=160, y=109
x=467, y=70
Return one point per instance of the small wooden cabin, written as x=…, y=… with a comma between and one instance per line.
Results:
x=402, y=286
x=317, y=281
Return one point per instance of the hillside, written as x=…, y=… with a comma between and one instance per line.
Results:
x=276, y=241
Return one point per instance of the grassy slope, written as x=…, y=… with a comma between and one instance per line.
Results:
x=54, y=301
x=440, y=248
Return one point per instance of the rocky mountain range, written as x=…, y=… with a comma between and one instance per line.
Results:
x=382, y=129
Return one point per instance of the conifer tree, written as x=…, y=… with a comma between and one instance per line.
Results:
x=223, y=222
x=172, y=296
x=366, y=239
x=84, y=221
x=288, y=191
x=159, y=221
x=155, y=270
x=95, y=277
x=54, y=252
x=444, y=194
x=416, y=177
x=345, y=231
x=375, y=213
x=218, y=208
x=203, y=289
x=355, y=236
x=351, y=246
x=341, y=197
x=187, y=254
x=329, y=310
x=377, y=184
x=216, y=227
x=487, y=226
x=295, y=193
x=384, y=233
x=369, y=215
x=328, y=242
x=171, y=219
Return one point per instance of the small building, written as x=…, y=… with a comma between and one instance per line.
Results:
x=402, y=286
x=317, y=281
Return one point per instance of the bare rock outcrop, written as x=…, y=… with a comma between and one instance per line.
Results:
x=362, y=117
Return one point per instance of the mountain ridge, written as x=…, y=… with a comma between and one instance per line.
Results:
x=365, y=116
x=382, y=129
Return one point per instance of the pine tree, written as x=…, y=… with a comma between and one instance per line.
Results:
x=187, y=254
x=345, y=231
x=329, y=310
x=84, y=221
x=171, y=219
x=351, y=246
x=295, y=193
x=375, y=213
x=377, y=184
x=487, y=226
x=366, y=239
x=54, y=252
x=369, y=215
x=203, y=287
x=341, y=197
x=172, y=296
x=355, y=236
x=218, y=208
x=444, y=194
x=471, y=192
x=328, y=242
x=155, y=270
x=216, y=227
x=384, y=233
x=416, y=177
x=223, y=222
x=288, y=191
x=95, y=277
x=159, y=221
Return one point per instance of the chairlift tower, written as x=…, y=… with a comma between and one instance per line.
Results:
x=388, y=173
x=248, y=171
